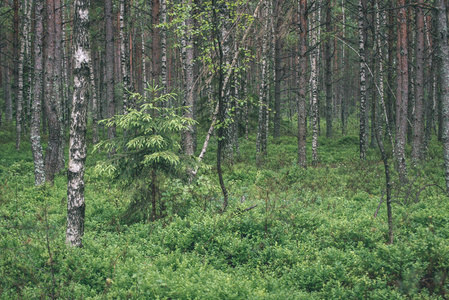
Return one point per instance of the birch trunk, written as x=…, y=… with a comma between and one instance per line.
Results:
x=36, y=109
x=18, y=80
x=314, y=84
x=78, y=150
x=363, y=114
x=164, y=46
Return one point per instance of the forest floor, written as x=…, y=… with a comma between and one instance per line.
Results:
x=311, y=234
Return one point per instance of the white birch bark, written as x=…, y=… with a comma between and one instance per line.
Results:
x=78, y=151
x=314, y=84
x=363, y=114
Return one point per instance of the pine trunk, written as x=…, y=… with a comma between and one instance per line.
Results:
x=418, y=118
x=402, y=91
x=109, y=64
x=302, y=82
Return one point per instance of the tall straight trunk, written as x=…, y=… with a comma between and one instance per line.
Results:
x=261, y=143
x=389, y=99
x=363, y=113
x=302, y=82
x=277, y=73
x=78, y=150
x=53, y=163
x=155, y=40
x=15, y=57
x=124, y=53
x=430, y=106
x=418, y=118
x=7, y=91
x=36, y=109
x=109, y=64
x=189, y=87
x=328, y=69
x=402, y=91
x=164, y=47
x=314, y=83
x=444, y=75
x=57, y=81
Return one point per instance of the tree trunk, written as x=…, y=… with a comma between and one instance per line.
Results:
x=314, y=84
x=156, y=48
x=302, y=82
x=261, y=143
x=402, y=91
x=53, y=156
x=418, y=118
x=93, y=95
x=109, y=64
x=189, y=87
x=78, y=150
x=328, y=70
x=444, y=77
x=36, y=110
x=164, y=47
x=363, y=113
x=277, y=69
x=17, y=90
x=124, y=53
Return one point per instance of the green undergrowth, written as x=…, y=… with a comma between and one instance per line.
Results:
x=289, y=233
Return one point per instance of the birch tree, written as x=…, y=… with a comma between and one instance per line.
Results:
x=363, y=114
x=36, y=109
x=78, y=150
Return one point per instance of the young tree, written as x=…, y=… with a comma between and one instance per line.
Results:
x=36, y=110
x=78, y=149
x=328, y=69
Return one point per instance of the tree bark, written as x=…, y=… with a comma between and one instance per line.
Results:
x=109, y=64
x=78, y=150
x=302, y=82
x=444, y=77
x=402, y=91
x=328, y=69
x=15, y=53
x=314, y=83
x=36, y=109
x=53, y=155
x=189, y=86
x=363, y=113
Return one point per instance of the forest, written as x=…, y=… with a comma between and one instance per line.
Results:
x=217, y=149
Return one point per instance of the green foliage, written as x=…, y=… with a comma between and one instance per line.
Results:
x=289, y=233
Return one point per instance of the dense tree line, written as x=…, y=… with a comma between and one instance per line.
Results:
x=238, y=67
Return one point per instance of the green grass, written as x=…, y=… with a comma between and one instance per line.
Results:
x=312, y=235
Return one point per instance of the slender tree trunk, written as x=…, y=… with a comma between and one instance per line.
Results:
x=328, y=69
x=314, y=84
x=444, y=75
x=124, y=53
x=302, y=82
x=261, y=143
x=93, y=95
x=16, y=58
x=36, y=146
x=402, y=91
x=277, y=70
x=156, y=48
x=164, y=47
x=418, y=118
x=363, y=113
x=78, y=150
x=189, y=88
x=109, y=64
